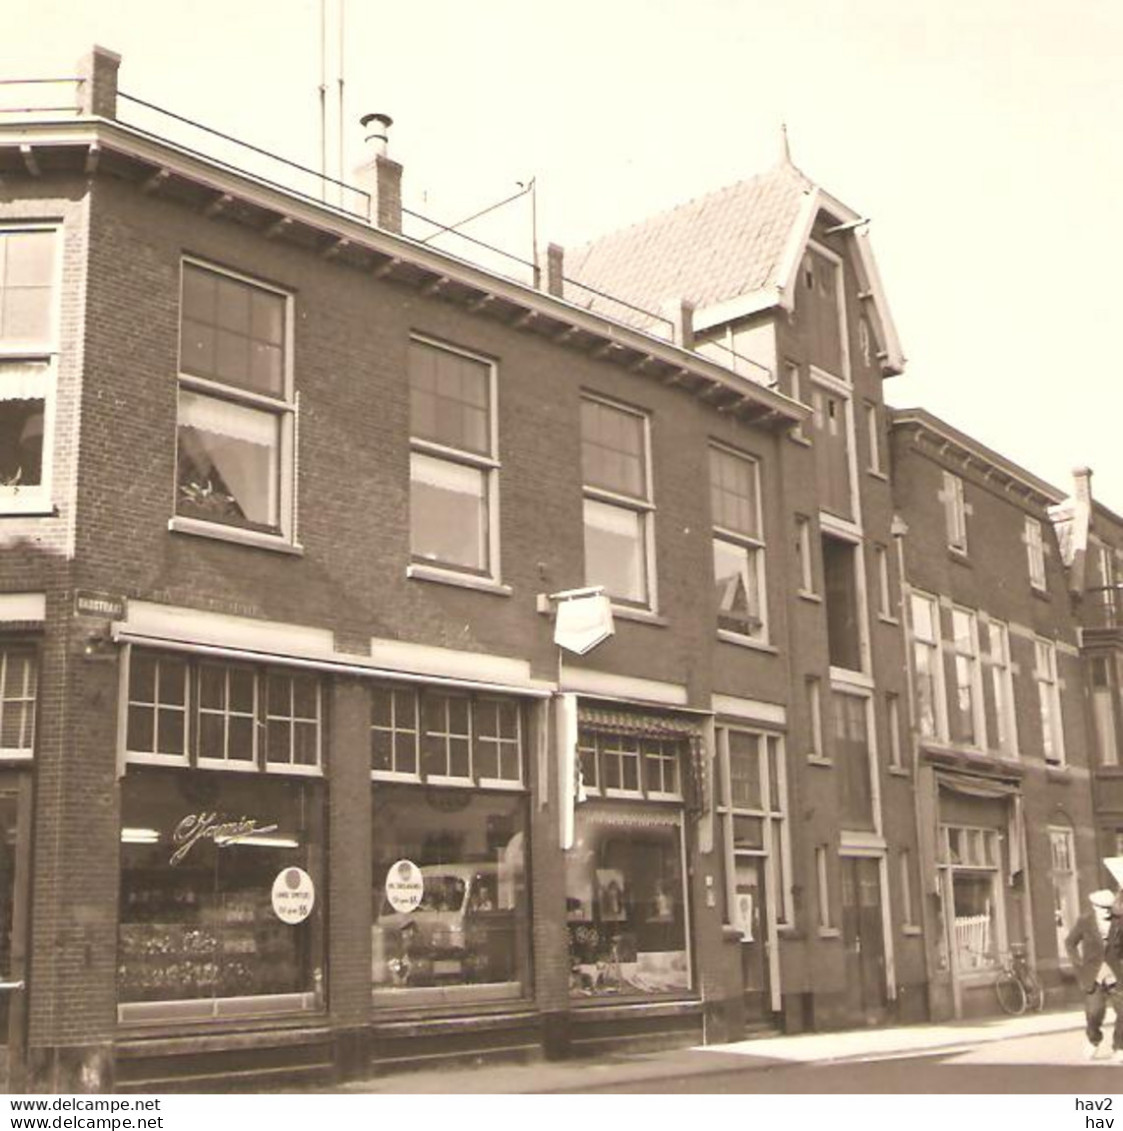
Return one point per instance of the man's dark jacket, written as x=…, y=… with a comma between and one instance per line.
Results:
x=1088, y=950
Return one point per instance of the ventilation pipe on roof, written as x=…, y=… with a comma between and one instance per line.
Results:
x=379, y=176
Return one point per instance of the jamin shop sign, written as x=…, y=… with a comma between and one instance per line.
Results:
x=293, y=895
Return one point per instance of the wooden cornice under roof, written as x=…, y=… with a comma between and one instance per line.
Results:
x=101, y=147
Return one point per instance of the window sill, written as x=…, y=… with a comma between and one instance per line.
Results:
x=877, y=473
x=959, y=556
x=911, y=931
x=747, y=642
x=1054, y=772
x=802, y=441
x=641, y=616
x=886, y=618
x=193, y=526
x=808, y=595
x=899, y=772
x=420, y=572
x=816, y=760
x=829, y=933
x=1039, y=593
x=39, y=510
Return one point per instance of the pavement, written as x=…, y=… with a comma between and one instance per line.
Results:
x=1010, y=1037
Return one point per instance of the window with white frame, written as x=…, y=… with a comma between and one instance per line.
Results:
x=738, y=544
x=908, y=911
x=18, y=691
x=235, y=436
x=794, y=385
x=1103, y=708
x=955, y=512
x=1035, y=553
x=969, y=861
x=803, y=555
x=884, y=593
x=28, y=356
x=893, y=721
x=928, y=666
x=996, y=658
x=453, y=466
x=1049, y=700
x=967, y=720
x=616, y=466
x=873, y=438
x=822, y=888
x=1108, y=595
x=815, y=714
x=432, y=735
x=1066, y=897
x=219, y=715
x=753, y=808
x=630, y=765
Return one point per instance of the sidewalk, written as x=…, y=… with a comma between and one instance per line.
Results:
x=760, y=1053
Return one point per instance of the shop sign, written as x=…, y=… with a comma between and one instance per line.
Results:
x=294, y=895
x=208, y=826
x=404, y=886
x=583, y=622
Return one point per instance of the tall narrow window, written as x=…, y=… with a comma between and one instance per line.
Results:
x=955, y=512
x=803, y=555
x=1066, y=899
x=830, y=427
x=236, y=405
x=884, y=594
x=908, y=911
x=618, y=507
x=966, y=718
x=794, y=391
x=873, y=438
x=738, y=545
x=822, y=888
x=453, y=470
x=844, y=620
x=1103, y=709
x=854, y=758
x=1035, y=553
x=893, y=721
x=18, y=686
x=1049, y=699
x=28, y=351
x=997, y=658
x=928, y=665
x=815, y=714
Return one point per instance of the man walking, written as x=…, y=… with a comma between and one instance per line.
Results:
x=1098, y=962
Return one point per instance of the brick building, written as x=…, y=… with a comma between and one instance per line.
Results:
x=295, y=780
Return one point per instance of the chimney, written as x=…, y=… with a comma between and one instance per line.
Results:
x=555, y=270
x=1082, y=484
x=97, y=90
x=680, y=313
x=379, y=176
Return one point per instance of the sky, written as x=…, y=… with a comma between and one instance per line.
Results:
x=981, y=138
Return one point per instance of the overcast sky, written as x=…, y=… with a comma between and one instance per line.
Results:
x=981, y=137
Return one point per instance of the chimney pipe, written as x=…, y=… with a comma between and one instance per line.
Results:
x=381, y=177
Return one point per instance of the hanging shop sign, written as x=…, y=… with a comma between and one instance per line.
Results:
x=404, y=886
x=583, y=622
x=294, y=895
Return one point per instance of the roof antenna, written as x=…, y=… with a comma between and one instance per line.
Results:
x=785, y=146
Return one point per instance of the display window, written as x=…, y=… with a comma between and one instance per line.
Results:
x=222, y=894
x=450, y=907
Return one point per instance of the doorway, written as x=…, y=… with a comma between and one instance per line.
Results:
x=15, y=811
x=752, y=918
x=863, y=939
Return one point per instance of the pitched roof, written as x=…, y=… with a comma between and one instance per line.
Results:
x=719, y=246
x=729, y=253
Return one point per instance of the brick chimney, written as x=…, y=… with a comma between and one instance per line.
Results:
x=380, y=176
x=97, y=91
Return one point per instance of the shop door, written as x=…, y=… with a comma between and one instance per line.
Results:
x=863, y=940
x=15, y=796
x=752, y=918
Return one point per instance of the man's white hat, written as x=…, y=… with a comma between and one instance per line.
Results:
x=1102, y=898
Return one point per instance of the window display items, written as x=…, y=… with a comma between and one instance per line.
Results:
x=460, y=918
x=630, y=939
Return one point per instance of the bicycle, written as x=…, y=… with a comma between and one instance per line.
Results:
x=1017, y=987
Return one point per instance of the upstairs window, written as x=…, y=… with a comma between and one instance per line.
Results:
x=28, y=352
x=955, y=513
x=928, y=666
x=844, y=621
x=1035, y=553
x=997, y=658
x=967, y=717
x=853, y=755
x=616, y=468
x=1049, y=701
x=738, y=545
x=1103, y=708
x=18, y=687
x=873, y=438
x=236, y=405
x=453, y=466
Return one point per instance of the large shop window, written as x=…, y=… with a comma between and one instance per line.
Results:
x=970, y=862
x=616, y=466
x=626, y=908
x=453, y=467
x=18, y=685
x=236, y=404
x=28, y=351
x=449, y=820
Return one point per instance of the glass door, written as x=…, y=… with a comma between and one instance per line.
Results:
x=751, y=915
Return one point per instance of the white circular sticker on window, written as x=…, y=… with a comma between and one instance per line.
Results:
x=293, y=895
x=404, y=886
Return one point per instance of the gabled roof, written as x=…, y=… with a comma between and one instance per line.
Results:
x=730, y=253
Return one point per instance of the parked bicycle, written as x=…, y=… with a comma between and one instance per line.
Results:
x=1017, y=986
